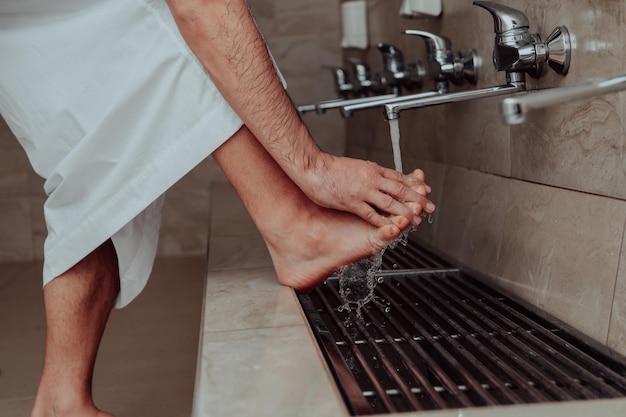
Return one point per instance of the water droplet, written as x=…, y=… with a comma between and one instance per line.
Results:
x=387, y=309
x=380, y=280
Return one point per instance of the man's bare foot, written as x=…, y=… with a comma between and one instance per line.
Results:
x=366, y=189
x=306, y=240
x=78, y=303
x=305, y=252
x=53, y=408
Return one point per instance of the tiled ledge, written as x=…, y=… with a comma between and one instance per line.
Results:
x=256, y=354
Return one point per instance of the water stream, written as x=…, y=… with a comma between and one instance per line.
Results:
x=357, y=281
x=394, y=132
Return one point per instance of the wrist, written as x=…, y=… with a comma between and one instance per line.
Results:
x=301, y=156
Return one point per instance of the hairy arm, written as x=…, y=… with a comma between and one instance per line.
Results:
x=224, y=37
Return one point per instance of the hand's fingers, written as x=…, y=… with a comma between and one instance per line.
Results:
x=401, y=191
x=429, y=206
x=425, y=206
x=417, y=175
x=370, y=215
x=414, y=181
x=417, y=180
x=423, y=189
x=378, y=220
x=411, y=210
x=417, y=219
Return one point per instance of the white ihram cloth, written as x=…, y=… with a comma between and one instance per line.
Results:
x=112, y=108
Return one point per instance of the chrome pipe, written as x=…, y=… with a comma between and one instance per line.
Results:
x=392, y=111
x=514, y=109
x=305, y=108
x=321, y=107
x=347, y=110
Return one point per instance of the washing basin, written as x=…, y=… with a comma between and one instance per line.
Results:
x=436, y=337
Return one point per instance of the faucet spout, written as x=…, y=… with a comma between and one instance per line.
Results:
x=338, y=104
x=505, y=18
x=392, y=110
x=348, y=109
x=305, y=108
x=514, y=109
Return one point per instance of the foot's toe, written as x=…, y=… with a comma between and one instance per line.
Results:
x=389, y=232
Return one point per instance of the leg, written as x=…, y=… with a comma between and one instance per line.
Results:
x=307, y=242
x=78, y=304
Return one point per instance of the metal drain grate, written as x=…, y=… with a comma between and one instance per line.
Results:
x=447, y=341
x=413, y=256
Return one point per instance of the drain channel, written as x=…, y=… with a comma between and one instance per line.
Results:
x=440, y=339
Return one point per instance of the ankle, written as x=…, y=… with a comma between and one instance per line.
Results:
x=68, y=411
x=63, y=403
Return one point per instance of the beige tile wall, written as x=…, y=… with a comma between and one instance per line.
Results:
x=21, y=197
x=301, y=34
x=539, y=208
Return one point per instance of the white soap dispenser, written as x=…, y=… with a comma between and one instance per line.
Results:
x=421, y=8
x=354, y=24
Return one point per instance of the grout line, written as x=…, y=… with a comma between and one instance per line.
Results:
x=619, y=262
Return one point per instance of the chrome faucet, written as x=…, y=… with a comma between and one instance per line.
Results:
x=514, y=109
x=392, y=110
x=397, y=77
x=360, y=88
x=364, y=82
x=396, y=74
x=323, y=106
x=444, y=66
x=343, y=86
x=516, y=52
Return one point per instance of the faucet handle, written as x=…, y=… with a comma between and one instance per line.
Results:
x=393, y=59
x=558, y=46
x=467, y=66
x=434, y=43
x=342, y=84
x=364, y=82
x=396, y=72
x=505, y=18
x=517, y=50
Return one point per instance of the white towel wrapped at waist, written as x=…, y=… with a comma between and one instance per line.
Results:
x=112, y=109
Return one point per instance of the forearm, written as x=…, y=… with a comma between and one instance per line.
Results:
x=224, y=37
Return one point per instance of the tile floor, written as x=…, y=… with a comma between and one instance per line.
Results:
x=147, y=360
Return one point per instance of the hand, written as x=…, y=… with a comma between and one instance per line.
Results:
x=366, y=189
x=225, y=39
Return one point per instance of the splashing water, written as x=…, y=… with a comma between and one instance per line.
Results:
x=357, y=281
